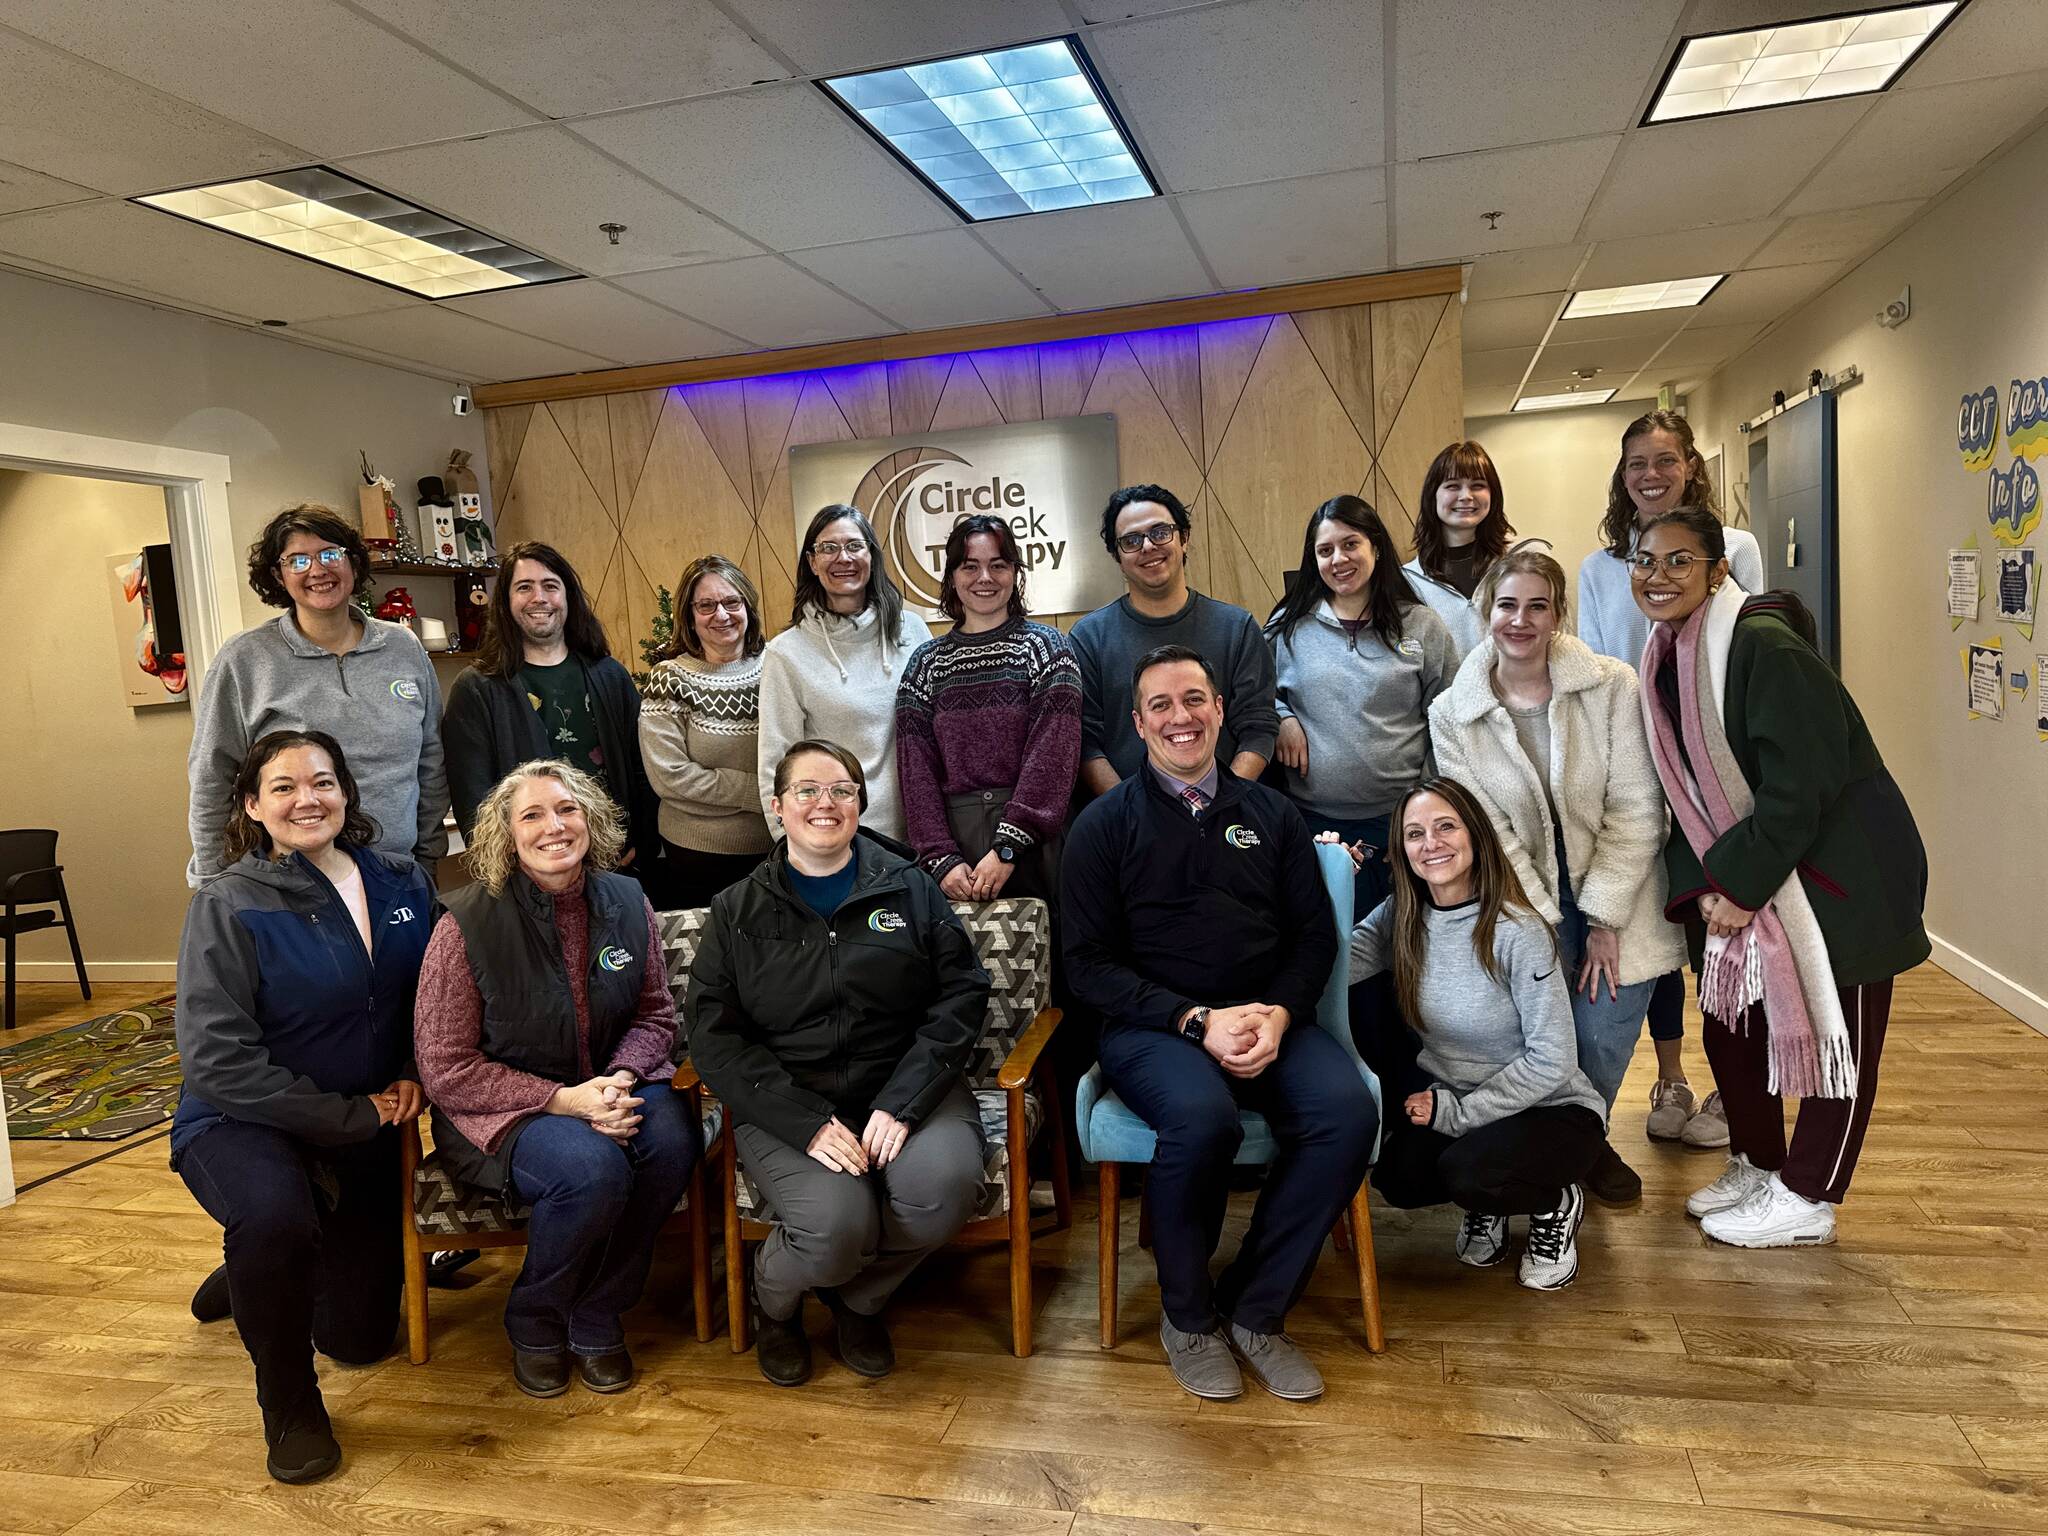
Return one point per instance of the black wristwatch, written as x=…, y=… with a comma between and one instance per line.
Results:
x=1007, y=852
x=1195, y=1025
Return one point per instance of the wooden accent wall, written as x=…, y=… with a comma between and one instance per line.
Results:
x=1251, y=421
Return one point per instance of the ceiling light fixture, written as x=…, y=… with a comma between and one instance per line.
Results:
x=325, y=217
x=1015, y=131
x=1679, y=293
x=1559, y=402
x=1848, y=55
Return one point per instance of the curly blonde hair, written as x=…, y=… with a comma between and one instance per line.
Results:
x=493, y=854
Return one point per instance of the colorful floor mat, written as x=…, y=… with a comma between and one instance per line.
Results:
x=97, y=1081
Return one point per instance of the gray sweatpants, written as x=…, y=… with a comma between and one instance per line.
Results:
x=861, y=1235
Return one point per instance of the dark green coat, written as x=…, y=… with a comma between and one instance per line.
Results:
x=1825, y=805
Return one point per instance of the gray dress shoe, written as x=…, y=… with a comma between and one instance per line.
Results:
x=1201, y=1362
x=1277, y=1364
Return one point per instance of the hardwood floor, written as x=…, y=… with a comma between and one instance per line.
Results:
x=1895, y=1382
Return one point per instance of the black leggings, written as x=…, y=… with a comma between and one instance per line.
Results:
x=1514, y=1167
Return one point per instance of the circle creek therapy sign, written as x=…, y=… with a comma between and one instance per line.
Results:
x=1049, y=480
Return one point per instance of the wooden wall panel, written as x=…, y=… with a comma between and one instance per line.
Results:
x=1252, y=421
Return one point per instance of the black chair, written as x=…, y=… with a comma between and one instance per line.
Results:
x=30, y=876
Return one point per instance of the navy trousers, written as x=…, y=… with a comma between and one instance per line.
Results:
x=1323, y=1120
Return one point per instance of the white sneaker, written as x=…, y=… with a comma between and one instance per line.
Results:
x=1773, y=1217
x=1482, y=1240
x=1708, y=1128
x=1550, y=1262
x=1738, y=1181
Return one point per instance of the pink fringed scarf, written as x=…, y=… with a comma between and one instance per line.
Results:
x=1781, y=958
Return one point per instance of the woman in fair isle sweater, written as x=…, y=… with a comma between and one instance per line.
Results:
x=988, y=729
x=699, y=720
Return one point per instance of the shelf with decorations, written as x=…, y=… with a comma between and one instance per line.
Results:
x=452, y=544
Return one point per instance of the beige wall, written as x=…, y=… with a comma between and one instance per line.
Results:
x=290, y=418
x=1980, y=316
x=73, y=755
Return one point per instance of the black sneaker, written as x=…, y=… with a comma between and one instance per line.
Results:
x=782, y=1349
x=1613, y=1182
x=541, y=1372
x=442, y=1267
x=863, y=1341
x=302, y=1446
x=210, y=1301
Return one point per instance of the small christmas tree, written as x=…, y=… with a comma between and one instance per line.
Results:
x=656, y=647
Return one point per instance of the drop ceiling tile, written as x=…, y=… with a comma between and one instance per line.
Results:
x=22, y=189
x=1292, y=231
x=1484, y=74
x=141, y=249
x=1510, y=274
x=66, y=118
x=1540, y=191
x=1491, y=324
x=1762, y=295
x=1840, y=236
x=1658, y=258
x=1643, y=322
x=547, y=191
x=1721, y=170
x=593, y=317
x=763, y=300
x=1621, y=355
x=1487, y=400
x=1096, y=12
x=566, y=60
x=1914, y=143
x=1991, y=37
x=1497, y=370
x=231, y=58
x=453, y=343
x=1701, y=347
x=925, y=282
x=1231, y=94
x=783, y=166
x=834, y=36
x=1091, y=258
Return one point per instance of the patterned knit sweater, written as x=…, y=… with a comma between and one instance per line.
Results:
x=698, y=728
x=997, y=710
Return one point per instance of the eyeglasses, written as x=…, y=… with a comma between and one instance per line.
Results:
x=704, y=608
x=299, y=564
x=845, y=792
x=832, y=549
x=1677, y=563
x=1158, y=533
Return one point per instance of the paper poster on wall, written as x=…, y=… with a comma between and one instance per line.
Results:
x=2013, y=502
x=1963, y=594
x=2026, y=417
x=1984, y=668
x=2041, y=696
x=1977, y=428
x=149, y=647
x=2019, y=588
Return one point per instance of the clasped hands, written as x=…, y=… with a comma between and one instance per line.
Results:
x=876, y=1147
x=1245, y=1039
x=977, y=882
x=606, y=1102
x=401, y=1102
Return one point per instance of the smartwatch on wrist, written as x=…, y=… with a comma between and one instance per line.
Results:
x=1007, y=852
x=1195, y=1025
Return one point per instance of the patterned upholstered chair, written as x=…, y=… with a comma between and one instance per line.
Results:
x=1013, y=1086
x=1112, y=1135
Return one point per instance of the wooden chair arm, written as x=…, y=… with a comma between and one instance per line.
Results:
x=686, y=1077
x=1023, y=1057
x=409, y=1153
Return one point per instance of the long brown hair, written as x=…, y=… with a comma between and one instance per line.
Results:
x=1388, y=593
x=1463, y=460
x=245, y=834
x=883, y=595
x=1618, y=527
x=1494, y=887
x=503, y=651
x=683, y=638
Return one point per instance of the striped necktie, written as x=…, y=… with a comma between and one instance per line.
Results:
x=1192, y=797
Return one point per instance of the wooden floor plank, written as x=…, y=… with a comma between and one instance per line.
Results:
x=1868, y=1490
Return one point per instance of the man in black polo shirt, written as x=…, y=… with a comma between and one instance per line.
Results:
x=1198, y=928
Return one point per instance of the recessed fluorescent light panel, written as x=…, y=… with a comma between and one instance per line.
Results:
x=1559, y=402
x=1679, y=293
x=1848, y=55
x=1022, y=130
x=328, y=218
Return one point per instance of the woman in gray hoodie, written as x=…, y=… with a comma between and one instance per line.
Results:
x=832, y=674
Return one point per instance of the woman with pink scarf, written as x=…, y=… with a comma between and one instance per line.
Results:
x=1796, y=868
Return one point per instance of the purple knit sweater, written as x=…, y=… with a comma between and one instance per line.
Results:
x=998, y=710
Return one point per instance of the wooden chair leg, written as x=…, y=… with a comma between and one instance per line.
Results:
x=1018, y=1133
x=735, y=1250
x=409, y=1243
x=1368, y=1270
x=700, y=1256
x=1056, y=1131
x=1105, y=1272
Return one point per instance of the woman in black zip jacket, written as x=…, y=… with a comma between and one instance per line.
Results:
x=832, y=1007
x=296, y=976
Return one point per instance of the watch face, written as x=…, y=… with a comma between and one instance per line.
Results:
x=1007, y=854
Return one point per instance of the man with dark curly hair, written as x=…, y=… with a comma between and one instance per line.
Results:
x=321, y=665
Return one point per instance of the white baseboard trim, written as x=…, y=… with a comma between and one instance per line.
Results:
x=97, y=970
x=2028, y=1007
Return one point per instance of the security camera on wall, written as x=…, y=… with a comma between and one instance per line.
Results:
x=463, y=404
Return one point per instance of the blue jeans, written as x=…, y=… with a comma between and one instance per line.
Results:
x=1607, y=1025
x=597, y=1207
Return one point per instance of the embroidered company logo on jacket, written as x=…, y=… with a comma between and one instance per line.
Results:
x=1240, y=836
x=405, y=688
x=883, y=921
x=615, y=958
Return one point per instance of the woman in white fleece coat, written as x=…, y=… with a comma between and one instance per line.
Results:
x=1549, y=738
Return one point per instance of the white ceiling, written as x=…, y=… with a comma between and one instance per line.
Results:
x=1296, y=139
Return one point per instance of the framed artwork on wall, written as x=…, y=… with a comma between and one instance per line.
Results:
x=149, y=648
